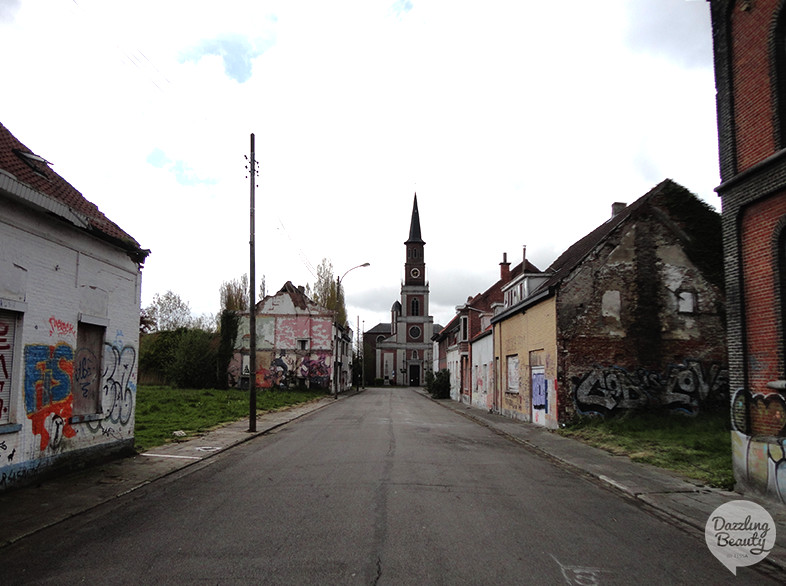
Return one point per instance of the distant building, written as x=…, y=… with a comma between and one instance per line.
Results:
x=404, y=357
x=70, y=282
x=631, y=316
x=750, y=77
x=464, y=346
x=297, y=344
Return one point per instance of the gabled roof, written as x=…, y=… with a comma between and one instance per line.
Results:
x=667, y=194
x=694, y=222
x=28, y=178
x=380, y=328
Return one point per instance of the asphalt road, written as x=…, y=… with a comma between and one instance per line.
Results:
x=386, y=487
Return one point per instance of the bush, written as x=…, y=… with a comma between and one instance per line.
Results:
x=438, y=385
x=194, y=365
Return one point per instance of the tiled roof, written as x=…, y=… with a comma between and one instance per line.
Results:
x=19, y=165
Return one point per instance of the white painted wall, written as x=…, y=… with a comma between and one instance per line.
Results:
x=481, y=378
x=53, y=277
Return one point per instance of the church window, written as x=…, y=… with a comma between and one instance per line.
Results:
x=414, y=332
x=415, y=307
x=780, y=77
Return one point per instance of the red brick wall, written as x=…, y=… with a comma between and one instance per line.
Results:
x=751, y=83
x=760, y=291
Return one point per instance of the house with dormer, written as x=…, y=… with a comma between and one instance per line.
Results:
x=630, y=317
x=70, y=284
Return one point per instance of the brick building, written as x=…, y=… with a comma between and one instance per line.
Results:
x=628, y=317
x=750, y=74
x=404, y=357
x=70, y=283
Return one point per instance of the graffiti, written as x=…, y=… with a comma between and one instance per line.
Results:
x=85, y=370
x=18, y=476
x=61, y=328
x=759, y=461
x=758, y=414
x=119, y=383
x=683, y=388
x=278, y=374
x=317, y=372
x=48, y=398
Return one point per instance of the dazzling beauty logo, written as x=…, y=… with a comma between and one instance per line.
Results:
x=740, y=533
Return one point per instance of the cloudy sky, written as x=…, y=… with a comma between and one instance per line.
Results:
x=517, y=123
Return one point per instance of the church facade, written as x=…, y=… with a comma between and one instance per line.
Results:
x=404, y=357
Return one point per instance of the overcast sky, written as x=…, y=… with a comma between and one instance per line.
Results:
x=517, y=123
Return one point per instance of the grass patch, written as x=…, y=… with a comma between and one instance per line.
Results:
x=160, y=411
x=695, y=447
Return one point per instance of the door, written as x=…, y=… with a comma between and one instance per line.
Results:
x=414, y=375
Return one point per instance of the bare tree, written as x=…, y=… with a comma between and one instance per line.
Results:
x=235, y=294
x=326, y=292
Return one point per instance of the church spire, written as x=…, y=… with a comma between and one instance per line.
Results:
x=414, y=225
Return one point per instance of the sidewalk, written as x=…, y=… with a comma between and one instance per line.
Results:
x=662, y=492
x=28, y=510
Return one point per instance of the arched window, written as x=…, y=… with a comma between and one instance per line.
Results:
x=414, y=355
x=415, y=305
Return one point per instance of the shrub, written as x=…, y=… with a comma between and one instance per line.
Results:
x=438, y=385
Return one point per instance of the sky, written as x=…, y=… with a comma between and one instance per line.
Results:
x=516, y=123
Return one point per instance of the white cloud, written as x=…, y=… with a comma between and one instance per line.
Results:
x=515, y=123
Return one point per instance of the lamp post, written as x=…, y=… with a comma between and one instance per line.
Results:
x=336, y=373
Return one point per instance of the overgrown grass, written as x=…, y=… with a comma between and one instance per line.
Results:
x=696, y=447
x=160, y=411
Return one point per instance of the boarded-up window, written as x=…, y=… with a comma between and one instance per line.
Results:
x=87, y=369
x=7, y=329
x=513, y=373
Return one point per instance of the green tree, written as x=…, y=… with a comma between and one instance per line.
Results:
x=168, y=312
x=235, y=294
x=194, y=365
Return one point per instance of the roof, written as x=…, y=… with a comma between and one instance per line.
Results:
x=678, y=202
x=697, y=224
x=414, y=225
x=29, y=178
x=380, y=328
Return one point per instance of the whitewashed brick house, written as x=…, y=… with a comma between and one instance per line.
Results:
x=70, y=282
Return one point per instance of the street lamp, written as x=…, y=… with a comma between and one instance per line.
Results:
x=336, y=373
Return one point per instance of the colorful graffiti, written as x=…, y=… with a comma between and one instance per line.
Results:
x=288, y=369
x=48, y=398
x=683, y=388
x=759, y=458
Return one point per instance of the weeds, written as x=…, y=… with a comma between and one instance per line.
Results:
x=162, y=410
x=698, y=447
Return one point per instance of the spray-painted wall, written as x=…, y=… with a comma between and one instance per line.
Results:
x=294, y=339
x=640, y=327
x=69, y=331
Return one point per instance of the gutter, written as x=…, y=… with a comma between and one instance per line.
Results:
x=27, y=194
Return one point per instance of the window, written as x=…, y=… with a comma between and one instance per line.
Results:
x=88, y=369
x=415, y=355
x=415, y=307
x=513, y=373
x=414, y=332
x=686, y=302
x=780, y=74
x=7, y=330
x=302, y=344
x=611, y=304
x=464, y=328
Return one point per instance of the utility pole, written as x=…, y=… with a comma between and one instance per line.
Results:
x=252, y=315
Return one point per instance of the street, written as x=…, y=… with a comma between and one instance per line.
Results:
x=386, y=487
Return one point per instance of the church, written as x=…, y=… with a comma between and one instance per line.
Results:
x=403, y=348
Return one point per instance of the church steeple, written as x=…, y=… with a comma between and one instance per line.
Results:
x=415, y=264
x=414, y=225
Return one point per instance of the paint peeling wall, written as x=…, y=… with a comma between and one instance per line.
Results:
x=640, y=328
x=69, y=334
x=482, y=361
x=295, y=344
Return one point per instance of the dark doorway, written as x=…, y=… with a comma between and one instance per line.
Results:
x=414, y=375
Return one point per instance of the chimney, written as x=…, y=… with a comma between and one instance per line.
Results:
x=504, y=268
x=524, y=259
x=617, y=207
